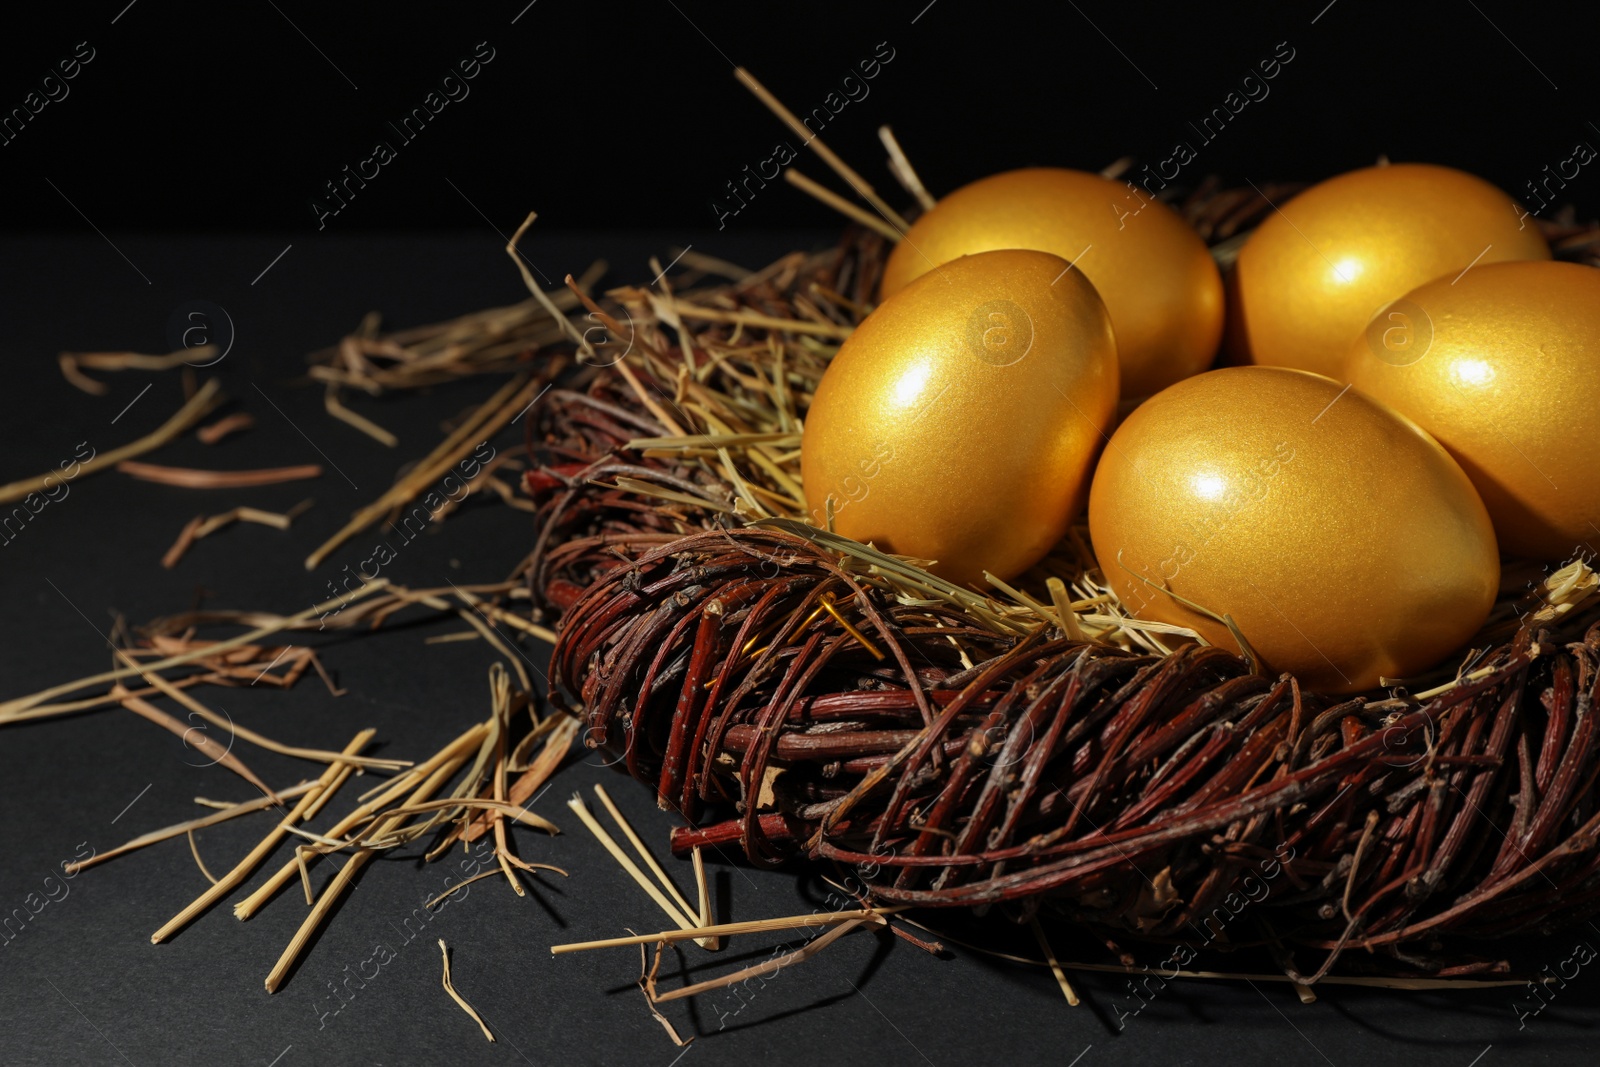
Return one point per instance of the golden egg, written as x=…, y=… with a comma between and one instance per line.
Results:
x=961, y=419
x=1343, y=541
x=1156, y=276
x=1502, y=366
x=1321, y=266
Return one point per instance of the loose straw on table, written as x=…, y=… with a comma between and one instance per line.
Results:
x=192, y=478
x=752, y=926
x=448, y=765
x=449, y=987
x=230, y=811
x=12, y=709
x=485, y=421
x=768, y=967
x=70, y=363
x=446, y=756
x=1055, y=965
x=330, y=781
x=196, y=408
x=202, y=526
x=228, y=424
x=684, y=918
x=196, y=738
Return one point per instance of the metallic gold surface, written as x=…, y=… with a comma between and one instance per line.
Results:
x=1503, y=368
x=1320, y=267
x=1159, y=282
x=960, y=421
x=1344, y=542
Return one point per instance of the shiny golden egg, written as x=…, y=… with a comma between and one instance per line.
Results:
x=961, y=419
x=1156, y=276
x=1318, y=268
x=1344, y=542
x=1502, y=366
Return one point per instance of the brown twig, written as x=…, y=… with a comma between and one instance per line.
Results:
x=450, y=988
x=202, y=526
x=226, y=426
x=231, y=811
x=72, y=362
x=190, y=478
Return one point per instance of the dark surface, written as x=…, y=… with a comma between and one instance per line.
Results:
x=81, y=984
x=624, y=113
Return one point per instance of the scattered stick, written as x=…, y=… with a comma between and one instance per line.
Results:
x=578, y=337
x=186, y=537
x=238, y=422
x=932, y=948
x=194, y=409
x=194, y=850
x=459, y=635
x=690, y=915
x=680, y=917
x=1055, y=967
x=502, y=845
x=510, y=618
x=330, y=401
x=448, y=759
x=502, y=808
x=347, y=874
x=457, y=997
x=647, y=986
x=772, y=966
x=72, y=362
x=244, y=868
x=557, y=742
x=201, y=526
x=12, y=710
x=713, y=265
x=484, y=422
x=190, y=478
x=319, y=755
x=166, y=833
x=751, y=926
x=300, y=852
x=106, y=700
x=1116, y=168
x=202, y=743
x=1064, y=610
x=480, y=876
x=710, y=944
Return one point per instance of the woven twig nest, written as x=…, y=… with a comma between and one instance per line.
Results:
x=792, y=694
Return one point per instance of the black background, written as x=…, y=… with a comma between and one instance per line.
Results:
x=604, y=113
x=195, y=140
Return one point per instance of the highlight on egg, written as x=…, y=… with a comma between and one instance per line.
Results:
x=1502, y=366
x=1319, y=267
x=1344, y=542
x=961, y=419
x=1156, y=276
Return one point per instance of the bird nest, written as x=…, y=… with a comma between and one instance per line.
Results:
x=792, y=693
